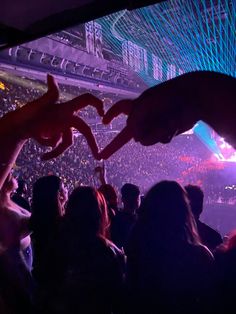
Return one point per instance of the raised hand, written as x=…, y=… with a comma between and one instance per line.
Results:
x=173, y=107
x=101, y=171
x=47, y=122
x=50, y=123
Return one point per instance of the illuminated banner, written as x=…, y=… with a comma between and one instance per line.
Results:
x=93, y=33
x=157, y=68
x=98, y=40
x=134, y=56
x=171, y=71
x=89, y=37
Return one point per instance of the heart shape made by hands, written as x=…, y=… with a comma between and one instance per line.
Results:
x=116, y=143
x=121, y=107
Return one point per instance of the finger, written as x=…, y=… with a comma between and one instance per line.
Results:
x=52, y=141
x=50, y=97
x=52, y=94
x=86, y=100
x=66, y=142
x=123, y=106
x=120, y=140
x=84, y=129
x=52, y=84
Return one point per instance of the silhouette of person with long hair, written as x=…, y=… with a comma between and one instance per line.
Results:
x=169, y=270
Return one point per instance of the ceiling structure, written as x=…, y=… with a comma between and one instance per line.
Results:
x=156, y=42
x=23, y=20
x=188, y=34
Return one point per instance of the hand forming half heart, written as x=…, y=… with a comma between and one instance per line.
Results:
x=173, y=107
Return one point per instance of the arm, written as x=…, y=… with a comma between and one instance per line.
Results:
x=11, y=146
x=101, y=171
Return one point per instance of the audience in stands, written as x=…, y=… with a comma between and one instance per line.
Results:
x=209, y=237
x=171, y=162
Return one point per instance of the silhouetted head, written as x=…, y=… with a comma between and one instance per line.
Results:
x=87, y=212
x=195, y=195
x=130, y=194
x=46, y=205
x=110, y=195
x=166, y=208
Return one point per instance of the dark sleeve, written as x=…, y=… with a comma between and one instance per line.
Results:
x=116, y=231
x=207, y=278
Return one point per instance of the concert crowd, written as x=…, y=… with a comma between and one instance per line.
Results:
x=129, y=239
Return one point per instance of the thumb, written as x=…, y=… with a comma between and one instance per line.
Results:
x=50, y=97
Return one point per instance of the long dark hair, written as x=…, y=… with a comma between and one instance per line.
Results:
x=166, y=209
x=86, y=212
x=46, y=208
